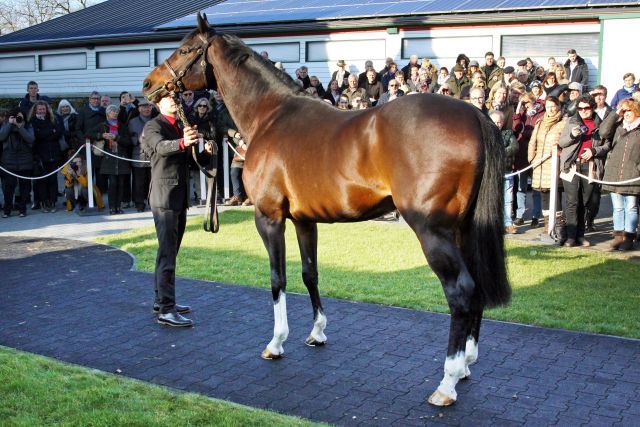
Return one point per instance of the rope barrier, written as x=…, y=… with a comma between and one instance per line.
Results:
x=532, y=165
x=32, y=178
x=597, y=181
x=118, y=157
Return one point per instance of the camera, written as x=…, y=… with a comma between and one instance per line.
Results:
x=19, y=119
x=584, y=129
x=74, y=166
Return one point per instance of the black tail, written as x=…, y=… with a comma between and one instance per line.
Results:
x=483, y=245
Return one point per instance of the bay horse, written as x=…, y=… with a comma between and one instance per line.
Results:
x=437, y=160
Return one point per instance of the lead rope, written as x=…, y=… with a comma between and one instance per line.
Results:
x=210, y=222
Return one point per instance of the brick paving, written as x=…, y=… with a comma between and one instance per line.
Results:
x=81, y=303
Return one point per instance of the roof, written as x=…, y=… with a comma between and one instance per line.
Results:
x=239, y=12
x=109, y=18
x=139, y=21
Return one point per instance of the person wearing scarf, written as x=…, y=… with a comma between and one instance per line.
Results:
x=69, y=117
x=117, y=140
x=623, y=163
x=626, y=90
x=545, y=135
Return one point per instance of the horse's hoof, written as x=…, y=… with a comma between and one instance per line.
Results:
x=312, y=342
x=267, y=355
x=440, y=399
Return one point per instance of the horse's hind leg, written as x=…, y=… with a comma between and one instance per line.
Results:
x=307, y=233
x=471, y=346
x=444, y=257
x=272, y=233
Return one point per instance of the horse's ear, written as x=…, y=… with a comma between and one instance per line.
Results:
x=203, y=24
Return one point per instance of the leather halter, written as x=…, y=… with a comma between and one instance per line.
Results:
x=175, y=84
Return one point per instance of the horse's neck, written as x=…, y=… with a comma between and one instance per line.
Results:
x=250, y=99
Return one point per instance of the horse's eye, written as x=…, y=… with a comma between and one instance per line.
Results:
x=184, y=51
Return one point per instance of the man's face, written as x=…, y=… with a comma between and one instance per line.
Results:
x=628, y=82
x=94, y=100
x=105, y=101
x=353, y=82
x=572, y=57
x=371, y=76
x=145, y=110
x=303, y=72
x=489, y=60
x=552, y=64
x=514, y=95
x=477, y=98
x=33, y=90
x=187, y=97
x=393, y=87
x=573, y=94
x=600, y=98
x=167, y=106
x=458, y=74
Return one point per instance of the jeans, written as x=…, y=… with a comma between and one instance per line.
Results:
x=625, y=212
x=521, y=198
x=236, y=181
x=508, y=201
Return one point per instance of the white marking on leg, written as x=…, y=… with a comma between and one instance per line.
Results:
x=280, y=325
x=317, y=333
x=454, y=369
x=470, y=355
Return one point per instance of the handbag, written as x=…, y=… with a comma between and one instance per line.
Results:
x=98, y=144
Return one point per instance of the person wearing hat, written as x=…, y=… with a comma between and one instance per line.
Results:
x=341, y=74
x=473, y=67
x=141, y=170
x=536, y=89
x=457, y=81
x=507, y=74
x=575, y=90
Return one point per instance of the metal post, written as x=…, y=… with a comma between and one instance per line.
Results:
x=87, y=144
x=553, y=192
x=203, y=187
x=225, y=167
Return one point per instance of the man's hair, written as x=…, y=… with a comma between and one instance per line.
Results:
x=571, y=52
x=629, y=75
x=550, y=58
x=476, y=90
x=601, y=88
x=488, y=54
x=304, y=67
x=32, y=83
x=94, y=93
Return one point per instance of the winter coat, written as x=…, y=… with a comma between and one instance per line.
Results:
x=541, y=143
x=136, y=125
x=17, y=147
x=69, y=123
x=510, y=144
x=623, y=161
x=570, y=145
x=120, y=147
x=455, y=86
x=384, y=98
x=580, y=73
x=88, y=121
x=523, y=125
x=47, y=139
x=492, y=75
x=25, y=103
x=621, y=95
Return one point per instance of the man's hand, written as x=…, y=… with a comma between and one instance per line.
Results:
x=190, y=136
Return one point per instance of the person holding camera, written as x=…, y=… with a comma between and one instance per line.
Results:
x=76, y=186
x=16, y=137
x=581, y=146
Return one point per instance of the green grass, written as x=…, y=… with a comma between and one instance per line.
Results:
x=37, y=391
x=383, y=263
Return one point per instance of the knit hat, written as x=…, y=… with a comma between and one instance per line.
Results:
x=458, y=67
x=575, y=86
x=474, y=63
x=509, y=69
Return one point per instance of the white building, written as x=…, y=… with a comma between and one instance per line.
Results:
x=113, y=45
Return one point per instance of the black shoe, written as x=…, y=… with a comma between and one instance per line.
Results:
x=182, y=309
x=35, y=206
x=518, y=222
x=174, y=319
x=535, y=223
x=119, y=211
x=112, y=211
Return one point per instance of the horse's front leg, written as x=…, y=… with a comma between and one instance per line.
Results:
x=272, y=233
x=471, y=346
x=307, y=233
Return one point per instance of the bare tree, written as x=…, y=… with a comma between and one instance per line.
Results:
x=18, y=14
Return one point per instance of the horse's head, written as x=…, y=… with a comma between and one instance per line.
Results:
x=186, y=69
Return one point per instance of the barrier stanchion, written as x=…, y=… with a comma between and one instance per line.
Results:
x=87, y=145
x=225, y=167
x=553, y=191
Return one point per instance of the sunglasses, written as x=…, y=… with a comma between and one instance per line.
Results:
x=584, y=108
x=624, y=111
x=203, y=106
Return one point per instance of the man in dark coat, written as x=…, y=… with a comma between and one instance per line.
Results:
x=90, y=118
x=30, y=98
x=576, y=69
x=168, y=145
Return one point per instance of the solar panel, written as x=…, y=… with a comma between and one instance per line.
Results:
x=266, y=11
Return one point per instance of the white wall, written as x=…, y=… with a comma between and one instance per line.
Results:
x=114, y=80
x=618, y=52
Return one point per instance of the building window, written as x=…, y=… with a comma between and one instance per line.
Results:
x=122, y=59
x=17, y=64
x=444, y=50
x=353, y=50
x=162, y=54
x=557, y=45
x=279, y=52
x=68, y=61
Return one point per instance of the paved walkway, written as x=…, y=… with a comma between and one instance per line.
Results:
x=87, y=307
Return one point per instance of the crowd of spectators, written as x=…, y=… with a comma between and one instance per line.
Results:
x=536, y=106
